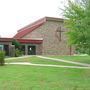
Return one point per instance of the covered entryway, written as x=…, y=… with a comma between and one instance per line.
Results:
x=31, y=50
x=28, y=49
x=31, y=46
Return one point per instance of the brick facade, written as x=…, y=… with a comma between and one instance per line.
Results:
x=51, y=44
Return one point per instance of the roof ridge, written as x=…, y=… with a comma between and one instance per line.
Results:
x=54, y=19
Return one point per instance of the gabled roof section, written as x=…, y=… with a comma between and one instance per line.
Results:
x=29, y=28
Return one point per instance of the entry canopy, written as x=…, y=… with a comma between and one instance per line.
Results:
x=32, y=41
x=23, y=41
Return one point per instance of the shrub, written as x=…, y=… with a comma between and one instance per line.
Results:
x=2, y=56
x=18, y=53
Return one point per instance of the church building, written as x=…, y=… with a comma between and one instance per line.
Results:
x=46, y=36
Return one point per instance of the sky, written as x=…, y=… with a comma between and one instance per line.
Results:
x=15, y=14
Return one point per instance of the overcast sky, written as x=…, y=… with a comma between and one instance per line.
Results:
x=15, y=14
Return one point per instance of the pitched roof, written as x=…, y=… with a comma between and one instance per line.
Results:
x=29, y=28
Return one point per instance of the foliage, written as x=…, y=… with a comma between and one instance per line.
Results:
x=78, y=22
x=2, y=56
x=16, y=43
x=18, y=53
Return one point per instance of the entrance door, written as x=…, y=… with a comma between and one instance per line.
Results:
x=31, y=50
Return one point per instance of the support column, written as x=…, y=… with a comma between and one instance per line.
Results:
x=26, y=49
x=12, y=50
x=9, y=46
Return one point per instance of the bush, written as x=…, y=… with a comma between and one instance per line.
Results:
x=2, y=56
x=18, y=53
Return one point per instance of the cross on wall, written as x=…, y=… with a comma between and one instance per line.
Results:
x=59, y=33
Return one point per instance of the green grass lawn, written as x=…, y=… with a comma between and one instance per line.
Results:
x=82, y=59
x=37, y=60
x=16, y=77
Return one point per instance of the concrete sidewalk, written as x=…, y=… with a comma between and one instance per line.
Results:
x=66, y=61
x=47, y=65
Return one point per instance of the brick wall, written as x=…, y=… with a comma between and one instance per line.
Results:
x=51, y=45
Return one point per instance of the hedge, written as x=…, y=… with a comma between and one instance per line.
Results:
x=2, y=56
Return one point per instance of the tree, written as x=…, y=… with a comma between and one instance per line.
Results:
x=78, y=23
x=16, y=43
x=18, y=51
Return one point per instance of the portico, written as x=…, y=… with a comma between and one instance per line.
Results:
x=31, y=47
x=28, y=46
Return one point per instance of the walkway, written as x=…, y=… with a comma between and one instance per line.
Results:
x=18, y=57
x=85, y=66
x=47, y=65
x=66, y=61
